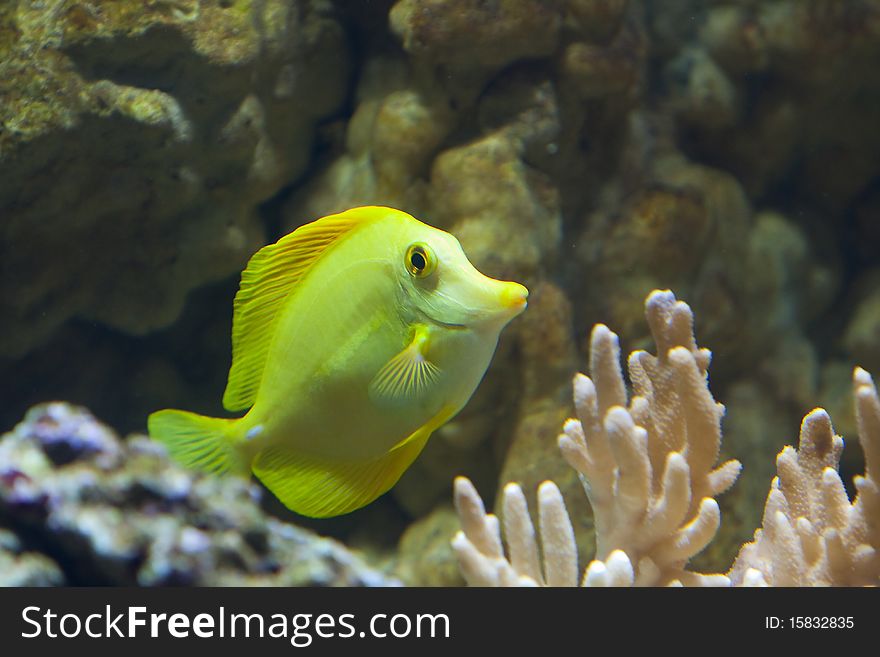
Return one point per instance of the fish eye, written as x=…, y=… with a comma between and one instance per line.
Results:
x=420, y=260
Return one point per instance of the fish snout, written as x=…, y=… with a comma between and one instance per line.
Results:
x=489, y=303
x=514, y=297
x=509, y=300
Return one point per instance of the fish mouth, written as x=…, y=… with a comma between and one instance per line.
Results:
x=511, y=299
x=514, y=298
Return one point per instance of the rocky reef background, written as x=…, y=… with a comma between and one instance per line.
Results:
x=592, y=149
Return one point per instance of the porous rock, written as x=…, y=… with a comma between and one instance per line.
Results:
x=83, y=507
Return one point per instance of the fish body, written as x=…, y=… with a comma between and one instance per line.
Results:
x=354, y=338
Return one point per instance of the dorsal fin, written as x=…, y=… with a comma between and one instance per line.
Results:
x=270, y=276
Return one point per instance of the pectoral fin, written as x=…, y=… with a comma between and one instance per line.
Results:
x=409, y=374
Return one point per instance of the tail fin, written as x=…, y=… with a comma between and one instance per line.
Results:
x=197, y=441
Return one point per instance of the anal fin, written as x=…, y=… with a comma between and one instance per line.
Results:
x=321, y=488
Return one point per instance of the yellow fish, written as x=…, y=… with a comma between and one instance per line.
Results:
x=353, y=338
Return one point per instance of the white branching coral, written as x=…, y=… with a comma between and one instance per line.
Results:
x=647, y=465
x=812, y=535
x=478, y=545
